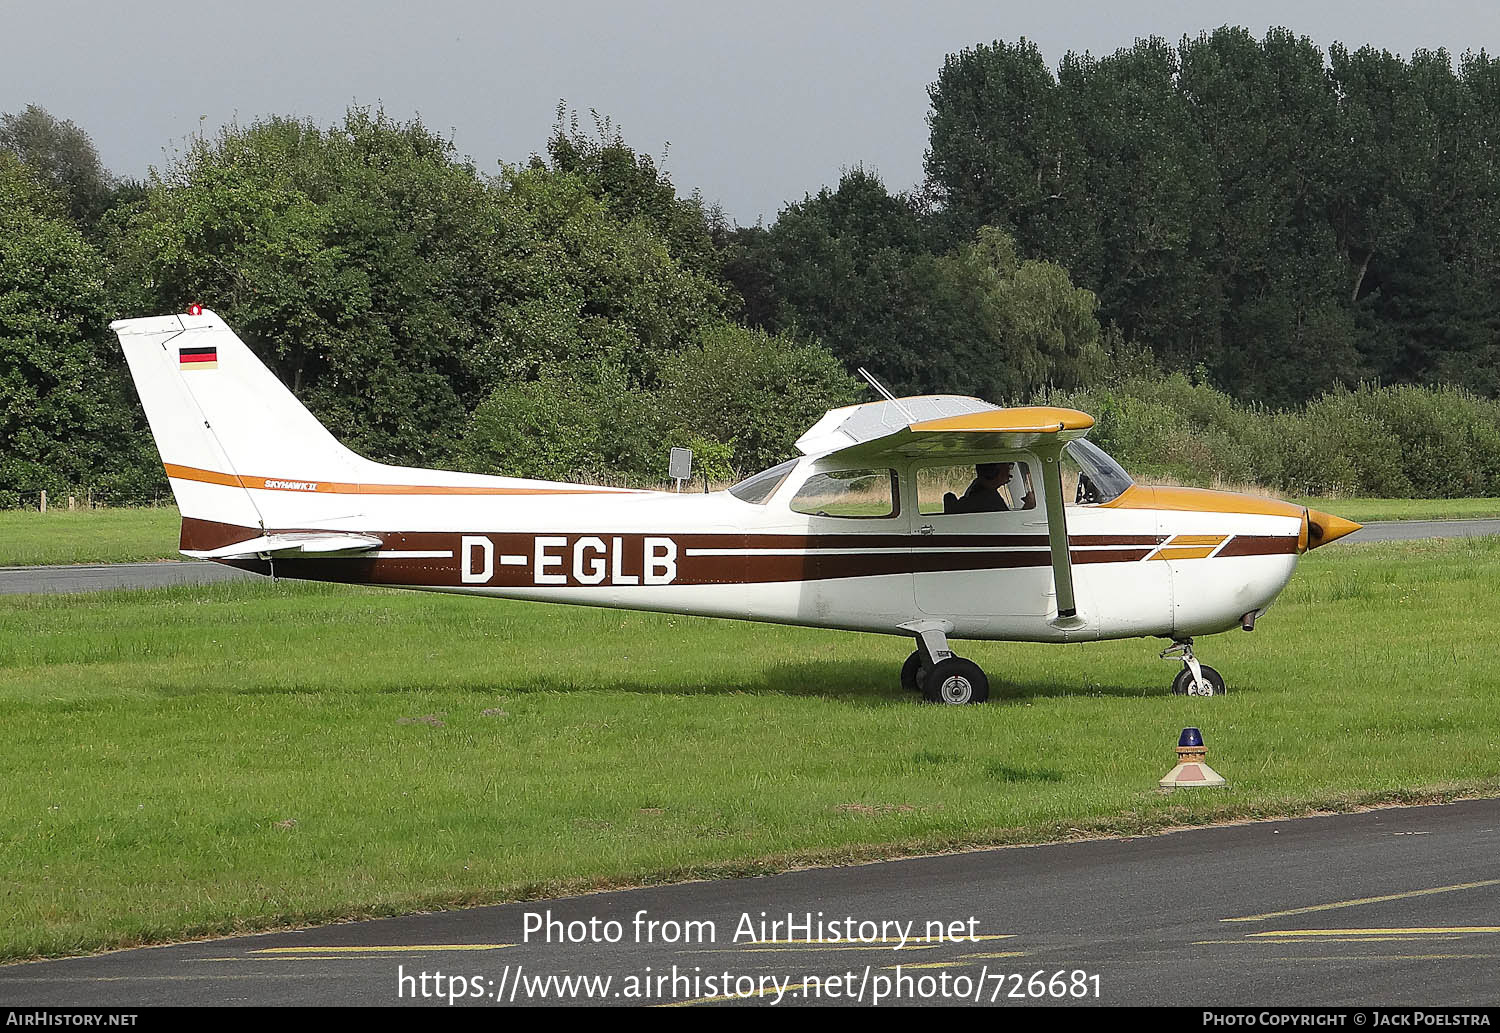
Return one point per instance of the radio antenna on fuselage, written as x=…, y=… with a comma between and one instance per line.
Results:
x=885, y=393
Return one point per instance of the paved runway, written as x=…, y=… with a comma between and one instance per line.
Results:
x=98, y=577
x=54, y=580
x=1408, y=530
x=1396, y=906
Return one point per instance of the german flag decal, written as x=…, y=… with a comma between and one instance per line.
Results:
x=198, y=358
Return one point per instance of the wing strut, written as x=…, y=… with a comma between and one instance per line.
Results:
x=1057, y=529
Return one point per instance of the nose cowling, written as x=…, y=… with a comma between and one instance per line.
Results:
x=1323, y=528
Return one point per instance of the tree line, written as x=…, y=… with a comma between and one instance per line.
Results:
x=1275, y=221
x=558, y=318
x=1289, y=218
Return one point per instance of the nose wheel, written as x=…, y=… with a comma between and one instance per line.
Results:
x=1195, y=679
x=936, y=673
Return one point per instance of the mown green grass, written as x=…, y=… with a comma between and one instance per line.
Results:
x=28, y=538
x=203, y=760
x=1366, y=510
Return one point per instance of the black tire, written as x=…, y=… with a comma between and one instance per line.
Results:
x=956, y=680
x=913, y=675
x=1184, y=681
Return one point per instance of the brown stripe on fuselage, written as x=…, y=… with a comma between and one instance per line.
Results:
x=202, y=535
x=1105, y=555
x=690, y=570
x=800, y=557
x=1259, y=545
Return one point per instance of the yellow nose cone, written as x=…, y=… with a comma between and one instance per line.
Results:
x=1323, y=528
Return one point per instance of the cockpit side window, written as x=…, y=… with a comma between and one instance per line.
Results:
x=995, y=487
x=1090, y=476
x=757, y=488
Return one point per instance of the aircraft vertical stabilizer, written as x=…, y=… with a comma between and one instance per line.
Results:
x=224, y=423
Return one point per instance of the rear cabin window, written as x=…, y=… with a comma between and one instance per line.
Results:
x=848, y=493
x=950, y=490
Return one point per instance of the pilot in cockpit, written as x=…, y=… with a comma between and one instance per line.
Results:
x=983, y=495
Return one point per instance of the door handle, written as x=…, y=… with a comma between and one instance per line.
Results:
x=925, y=529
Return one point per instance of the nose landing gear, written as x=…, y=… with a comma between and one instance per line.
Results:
x=1195, y=679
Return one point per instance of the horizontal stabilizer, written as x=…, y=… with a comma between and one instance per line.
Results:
x=292, y=546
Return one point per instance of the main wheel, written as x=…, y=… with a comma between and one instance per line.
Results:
x=913, y=674
x=956, y=680
x=1182, y=685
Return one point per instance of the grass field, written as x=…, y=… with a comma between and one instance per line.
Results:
x=194, y=761
x=1367, y=510
x=28, y=538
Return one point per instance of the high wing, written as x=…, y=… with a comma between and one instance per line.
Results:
x=978, y=434
x=961, y=429
x=323, y=545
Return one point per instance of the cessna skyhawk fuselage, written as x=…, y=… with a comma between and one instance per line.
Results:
x=865, y=531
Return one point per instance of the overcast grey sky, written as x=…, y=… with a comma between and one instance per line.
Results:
x=761, y=102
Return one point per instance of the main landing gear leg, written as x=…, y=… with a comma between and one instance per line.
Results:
x=936, y=673
x=1195, y=679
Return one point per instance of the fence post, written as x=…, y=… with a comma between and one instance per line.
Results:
x=44, y=502
x=72, y=503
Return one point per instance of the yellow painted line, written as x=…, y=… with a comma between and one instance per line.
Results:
x=962, y=963
x=1365, y=900
x=1303, y=933
x=798, y=987
x=407, y=949
x=1391, y=957
x=892, y=939
x=297, y=957
x=1328, y=939
x=216, y=976
x=807, y=950
x=746, y=997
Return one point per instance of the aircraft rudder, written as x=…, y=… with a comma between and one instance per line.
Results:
x=223, y=422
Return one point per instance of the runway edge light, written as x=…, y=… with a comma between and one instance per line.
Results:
x=1192, y=764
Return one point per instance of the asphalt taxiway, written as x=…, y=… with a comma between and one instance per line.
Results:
x=1411, y=530
x=104, y=576
x=1396, y=906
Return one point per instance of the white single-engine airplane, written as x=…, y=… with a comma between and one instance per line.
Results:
x=865, y=531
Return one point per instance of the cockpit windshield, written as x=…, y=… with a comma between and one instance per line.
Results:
x=1090, y=476
x=756, y=489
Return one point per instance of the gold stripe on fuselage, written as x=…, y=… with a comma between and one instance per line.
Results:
x=193, y=473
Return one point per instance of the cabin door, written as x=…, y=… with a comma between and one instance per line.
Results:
x=979, y=540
